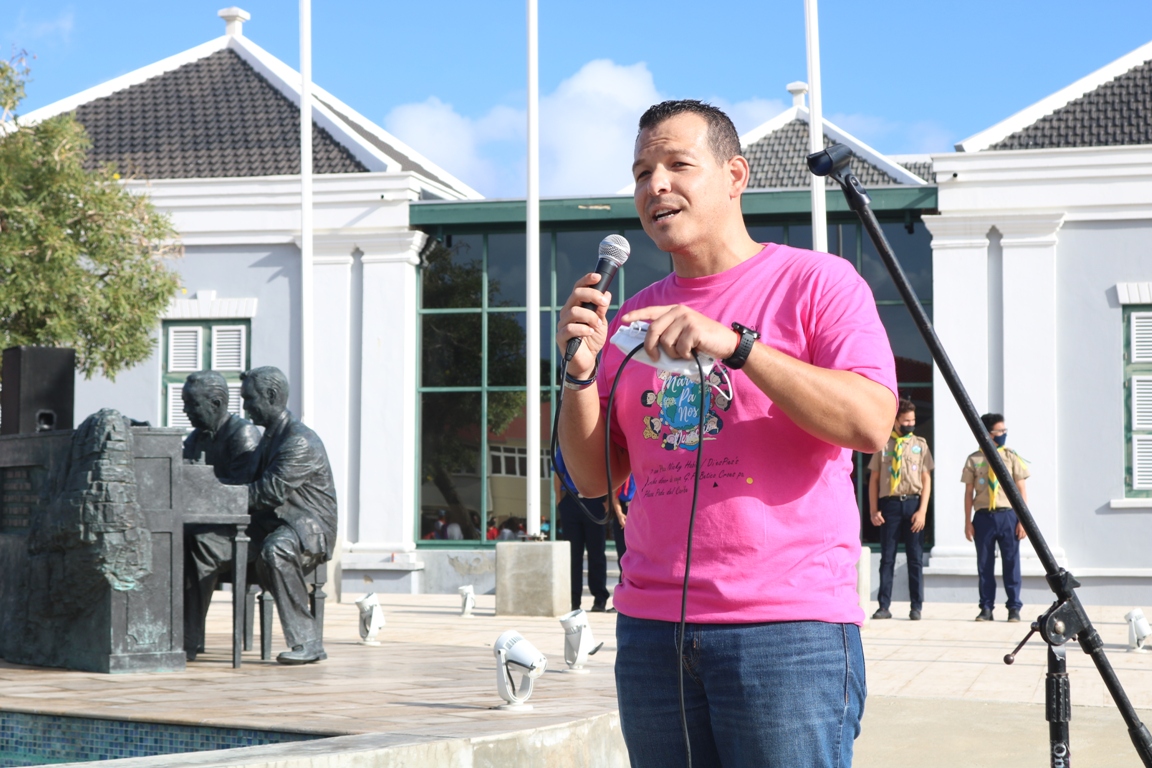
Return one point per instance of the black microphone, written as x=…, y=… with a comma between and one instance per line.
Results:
x=614, y=251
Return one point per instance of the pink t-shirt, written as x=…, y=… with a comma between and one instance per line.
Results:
x=777, y=527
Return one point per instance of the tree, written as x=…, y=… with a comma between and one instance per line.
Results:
x=451, y=348
x=82, y=259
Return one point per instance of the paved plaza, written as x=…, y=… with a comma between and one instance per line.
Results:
x=939, y=694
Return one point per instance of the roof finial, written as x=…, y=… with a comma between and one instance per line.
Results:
x=797, y=89
x=235, y=18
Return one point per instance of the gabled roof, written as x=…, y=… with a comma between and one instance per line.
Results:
x=778, y=151
x=1110, y=107
x=229, y=108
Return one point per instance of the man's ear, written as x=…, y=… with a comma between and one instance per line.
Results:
x=739, y=173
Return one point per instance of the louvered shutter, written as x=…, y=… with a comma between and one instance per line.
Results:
x=235, y=404
x=1141, y=402
x=184, y=345
x=1142, y=462
x=176, y=416
x=228, y=348
x=1141, y=337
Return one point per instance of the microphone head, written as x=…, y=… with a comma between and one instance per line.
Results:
x=615, y=248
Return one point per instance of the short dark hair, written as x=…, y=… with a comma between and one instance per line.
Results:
x=906, y=406
x=268, y=377
x=991, y=419
x=211, y=382
x=722, y=136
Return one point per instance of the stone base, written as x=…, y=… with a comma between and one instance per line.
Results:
x=533, y=578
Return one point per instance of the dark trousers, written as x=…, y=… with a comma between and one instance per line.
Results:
x=898, y=527
x=582, y=534
x=618, y=537
x=997, y=528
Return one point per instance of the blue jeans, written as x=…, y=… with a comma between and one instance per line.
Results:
x=898, y=525
x=773, y=695
x=992, y=528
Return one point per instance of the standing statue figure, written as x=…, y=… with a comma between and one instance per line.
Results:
x=292, y=500
x=227, y=443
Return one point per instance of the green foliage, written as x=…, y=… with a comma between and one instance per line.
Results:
x=81, y=258
x=451, y=348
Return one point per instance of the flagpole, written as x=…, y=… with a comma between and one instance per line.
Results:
x=532, y=278
x=815, y=127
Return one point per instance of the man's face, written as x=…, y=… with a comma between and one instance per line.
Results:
x=682, y=191
x=201, y=409
x=906, y=419
x=257, y=406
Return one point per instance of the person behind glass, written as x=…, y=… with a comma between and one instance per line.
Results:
x=619, y=519
x=772, y=663
x=902, y=473
x=995, y=523
x=582, y=533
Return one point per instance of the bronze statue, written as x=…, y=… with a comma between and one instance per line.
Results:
x=227, y=443
x=292, y=500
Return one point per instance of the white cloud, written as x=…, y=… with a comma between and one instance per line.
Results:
x=60, y=27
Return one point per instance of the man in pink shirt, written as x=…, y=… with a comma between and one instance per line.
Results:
x=773, y=668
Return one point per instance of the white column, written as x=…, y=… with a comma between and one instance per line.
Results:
x=1030, y=372
x=532, y=276
x=389, y=370
x=960, y=317
x=815, y=127
x=306, y=289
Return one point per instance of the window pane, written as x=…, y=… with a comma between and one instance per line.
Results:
x=767, y=234
x=452, y=275
x=506, y=270
x=450, y=461
x=646, y=264
x=913, y=361
x=800, y=235
x=507, y=424
x=576, y=255
x=913, y=251
x=451, y=348
x=506, y=337
x=842, y=240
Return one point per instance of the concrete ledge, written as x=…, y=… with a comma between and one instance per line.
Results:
x=594, y=741
x=533, y=578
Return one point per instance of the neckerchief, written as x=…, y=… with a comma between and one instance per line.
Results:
x=897, y=460
x=993, y=483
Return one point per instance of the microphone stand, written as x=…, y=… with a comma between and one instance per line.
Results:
x=1066, y=619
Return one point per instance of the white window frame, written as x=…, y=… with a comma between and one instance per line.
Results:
x=216, y=364
x=175, y=330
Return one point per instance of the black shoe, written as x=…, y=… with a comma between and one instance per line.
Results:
x=599, y=606
x=302, y=654
x=1013, y=614
x=914, y=615
x=984, y=615
x=189, y=654
x=882, y=613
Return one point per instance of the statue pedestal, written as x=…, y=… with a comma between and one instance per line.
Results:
x=533, y=578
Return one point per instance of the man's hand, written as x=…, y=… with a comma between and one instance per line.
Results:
x=589, y=325
x=679, y=330
x=918, y=520
x=877, y=518
x=1021, y=534
x=969, y=530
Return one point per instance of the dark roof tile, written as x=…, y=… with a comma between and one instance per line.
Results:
x=779, y=160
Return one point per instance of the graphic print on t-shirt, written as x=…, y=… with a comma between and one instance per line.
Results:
x=675, y=420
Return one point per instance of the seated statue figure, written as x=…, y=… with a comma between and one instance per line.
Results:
x=292, y=500
x=227, y=443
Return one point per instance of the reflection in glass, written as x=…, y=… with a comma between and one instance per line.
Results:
x=451, y=350
x=576, y=255
x=506, y=270
x=647, y=264
x=913, y=251
x=450, y=482
x=452, y=275
x=508, y=472
x=506, y=337
x=767, y=234
x=913, y=361
x=800, y=235
x=842, y=240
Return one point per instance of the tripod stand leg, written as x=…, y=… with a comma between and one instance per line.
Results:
x=1058, y=707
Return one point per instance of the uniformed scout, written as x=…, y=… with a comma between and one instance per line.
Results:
x=898, y=492
x=995, y=521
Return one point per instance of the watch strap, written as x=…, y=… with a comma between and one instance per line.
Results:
x=743, y=349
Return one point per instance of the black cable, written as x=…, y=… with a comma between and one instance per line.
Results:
x=555, y=465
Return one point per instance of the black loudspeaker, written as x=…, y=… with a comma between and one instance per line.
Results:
x=39, y=389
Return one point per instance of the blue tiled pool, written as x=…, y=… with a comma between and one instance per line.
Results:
x=28, y=739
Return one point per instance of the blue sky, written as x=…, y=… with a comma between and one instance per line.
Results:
x=449, y=77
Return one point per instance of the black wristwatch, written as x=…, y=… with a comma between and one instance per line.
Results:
x=743, y=349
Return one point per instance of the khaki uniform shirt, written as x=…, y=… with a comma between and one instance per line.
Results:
x=977, y=469
x=917, y=459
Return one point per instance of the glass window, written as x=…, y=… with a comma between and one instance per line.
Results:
x=506, y=270
x=450, y=489
x=914, y=252
x=506, y=336
x=646, y=263
x=451, y=350
x=453, y=272
x=800, y=235
x=767, y=234
x=913, y=361
x=576, y=255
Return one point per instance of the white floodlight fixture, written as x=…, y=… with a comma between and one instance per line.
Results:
x=371, y=618
x=467, y=601
x=1138, y=631
x=578, y=641
x=515, y=654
